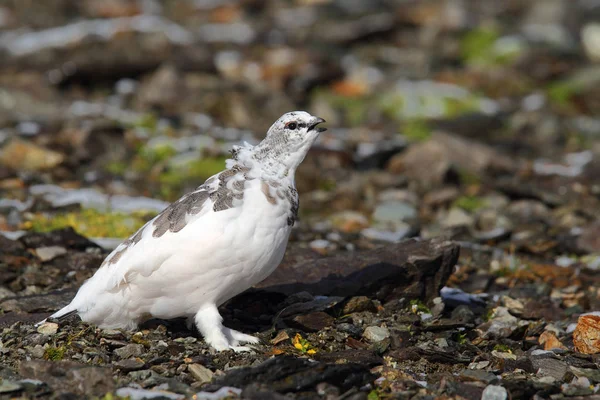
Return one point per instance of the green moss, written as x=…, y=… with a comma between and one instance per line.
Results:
x=416, y=130
x=562, y=93
x=147, y=122
x=469, y=203
x=480, y=47
x=468, y=178
x=116, y=167
x=373, y=395
x=327, y=185
x=91, y=223
x=54, y=353
x=417, y=306
x=502, y=348
x=354, y=109
x=172, y=180
x=455, y=107
x=462, y=338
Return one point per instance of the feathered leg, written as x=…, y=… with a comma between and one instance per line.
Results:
x=210, y=325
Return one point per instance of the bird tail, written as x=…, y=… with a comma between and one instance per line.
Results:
x=60, y=314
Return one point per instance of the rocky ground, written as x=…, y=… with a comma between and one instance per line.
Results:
x=448, y=241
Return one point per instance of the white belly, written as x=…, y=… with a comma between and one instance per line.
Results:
x=209, y=261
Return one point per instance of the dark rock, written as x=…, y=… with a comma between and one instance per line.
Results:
x=260, y=391
x=79, y=261
x=131, y=364
x=350, y=329
x=66, y=237
x=363, y=357
x=479, y=375
x=38, y=302
x=547, y=365
x=13, y=247
x=70, y=377
x=412, y=269
x=589, y=240
x=463, y=314
x=312, y=322
x=289, y=374
x=433, y=355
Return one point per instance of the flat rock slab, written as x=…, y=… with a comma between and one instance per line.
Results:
x=70, y=377
x=286, y=374
x=412, y=269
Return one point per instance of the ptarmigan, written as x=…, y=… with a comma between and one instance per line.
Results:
x=208, y=246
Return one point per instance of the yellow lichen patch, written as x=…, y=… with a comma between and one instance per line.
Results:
x=90, y=223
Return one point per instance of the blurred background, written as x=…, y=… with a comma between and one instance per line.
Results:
x=474, y=120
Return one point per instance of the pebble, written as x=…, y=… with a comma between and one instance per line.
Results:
x=141, y=394
x=23, y=155
x=376, y=333
x=349, y=221
x=392, y=213
x=457, y=217
x=494, y=392
x=48, y=328
x=200, y=373
x=223, y=393
x=49, y=253
x=7, y=386
x=130, y=350
x=131, y=364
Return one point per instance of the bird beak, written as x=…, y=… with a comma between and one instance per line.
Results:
x=316, y=121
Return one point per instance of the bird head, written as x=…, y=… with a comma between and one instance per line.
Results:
x=289, y=139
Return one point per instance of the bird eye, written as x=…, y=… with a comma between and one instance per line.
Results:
x=292, y=126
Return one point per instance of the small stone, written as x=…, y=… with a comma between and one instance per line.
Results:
x=7, y=386
x=493, y=392
x=37, y=351
x=143, y=394
x=349, y=221
x=350, y=329
x=376, y=333
x=49, y=253
x=131, y=364
x=313, y=322
x=112, y=334
x=358, y=304
x=322, y=246
x=23, y=155
x=130, y=350
x=479, y=375
x=550, y=341
x=48, y=328
x=457, y=217
x=200, y=373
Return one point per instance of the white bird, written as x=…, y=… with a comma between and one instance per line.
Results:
x=208, y=246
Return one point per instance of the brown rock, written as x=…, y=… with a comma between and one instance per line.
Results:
x=23, y=155
x=586, y=336
x=432, y=161
x=358, y=304
x=589, y=240
x=550, y=341
x=413, y=269
x=313, y=322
